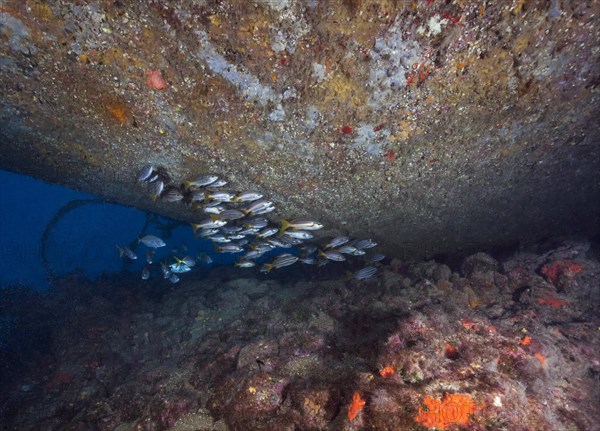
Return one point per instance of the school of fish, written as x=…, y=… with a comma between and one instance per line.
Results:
x=235, y=223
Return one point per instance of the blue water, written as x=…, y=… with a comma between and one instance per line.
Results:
x=83, y=240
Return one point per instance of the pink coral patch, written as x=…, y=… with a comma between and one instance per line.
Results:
x=155, y=80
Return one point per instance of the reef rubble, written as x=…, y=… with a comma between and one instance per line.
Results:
x=491, y=342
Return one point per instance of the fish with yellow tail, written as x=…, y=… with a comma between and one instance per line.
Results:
x=285, y=259
x=332, y=255
x=180, y=266
x=202, y=180
x=228, y=215
x=300, y=224
x=126, y=251
x=208, y=224
x=247, y=197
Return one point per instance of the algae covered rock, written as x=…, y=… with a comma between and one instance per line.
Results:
x=433, y=127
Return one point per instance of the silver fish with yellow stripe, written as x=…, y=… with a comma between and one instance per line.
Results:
x=300, y=224
x=202, y=180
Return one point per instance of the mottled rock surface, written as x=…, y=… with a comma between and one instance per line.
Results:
x=460, y=124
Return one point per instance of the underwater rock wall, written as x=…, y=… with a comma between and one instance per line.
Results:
x=490, y=345
x=460, y=124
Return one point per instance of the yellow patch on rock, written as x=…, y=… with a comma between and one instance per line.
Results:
x=311, y=407
x=343, y=90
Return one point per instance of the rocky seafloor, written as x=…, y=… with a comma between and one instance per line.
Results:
x=508, y=341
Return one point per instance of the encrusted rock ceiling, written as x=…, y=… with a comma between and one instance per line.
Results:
x=430, y=126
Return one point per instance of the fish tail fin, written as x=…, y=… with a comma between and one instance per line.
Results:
x=214, y=217
x=320, y=253
x=268, y=266
x=120, y=250
x=195, y=227
x=186, y=184
x=284, y=225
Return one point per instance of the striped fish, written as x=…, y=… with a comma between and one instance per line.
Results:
x=155, y=189
x=219, y=183
x=298, y=234
x=256, y=222
x=346, y=249
x=332, y=255
x=337, y=241
x=363, y=243
x=201, y=181
x=209, y=224
x=267, y=232
x=258, y=206
x=229, y=248
x=145, y=173
x=229, y=215
x=365, y=273
x=377, y=258
x=300, y=224
x=173, y=195
x=221, y=196
x=247, y=197
x=281, y=261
